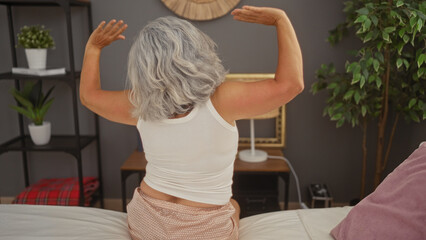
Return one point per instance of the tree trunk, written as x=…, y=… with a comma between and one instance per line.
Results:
x=385, y=160
x=382, y=121
x=364, y=157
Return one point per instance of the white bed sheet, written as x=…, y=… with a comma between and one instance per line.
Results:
x=312, y=224
x=38, y=222
x=35, y=222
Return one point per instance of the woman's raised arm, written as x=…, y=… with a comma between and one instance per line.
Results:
x=112, y=105
x=238, y=100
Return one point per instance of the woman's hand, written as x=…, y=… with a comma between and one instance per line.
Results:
x=261, y=15
x=104, y=36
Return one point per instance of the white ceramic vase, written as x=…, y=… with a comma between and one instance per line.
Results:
x=36, y=57
x=40, y=134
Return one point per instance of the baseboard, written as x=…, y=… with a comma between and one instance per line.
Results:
x=115, y=204
x=6, y=200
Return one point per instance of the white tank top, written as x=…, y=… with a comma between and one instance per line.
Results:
x=191, y=157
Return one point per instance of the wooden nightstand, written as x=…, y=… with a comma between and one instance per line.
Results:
x=255, y=185
x=266, y=197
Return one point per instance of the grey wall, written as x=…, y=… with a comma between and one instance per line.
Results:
x=320, y=153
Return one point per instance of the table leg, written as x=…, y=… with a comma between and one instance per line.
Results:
x=286, y=178
x=124, y=175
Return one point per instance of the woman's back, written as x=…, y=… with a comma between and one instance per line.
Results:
x=191, y=157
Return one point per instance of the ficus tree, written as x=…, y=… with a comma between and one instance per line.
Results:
x=387, y=80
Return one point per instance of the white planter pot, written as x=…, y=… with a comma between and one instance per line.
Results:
x=40, y=134
x=36, y=57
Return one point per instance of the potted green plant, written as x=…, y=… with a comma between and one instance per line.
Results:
x=34, y=105
x=36, y=40
x=386, y=81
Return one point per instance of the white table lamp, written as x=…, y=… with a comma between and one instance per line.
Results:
x=255, y=155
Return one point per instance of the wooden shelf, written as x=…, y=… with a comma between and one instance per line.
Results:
x=44, y=2
x=65, y=143
x=63, y=77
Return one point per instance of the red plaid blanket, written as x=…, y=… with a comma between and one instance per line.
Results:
x=58, y=191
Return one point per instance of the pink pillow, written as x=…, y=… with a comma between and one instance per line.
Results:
x=395, y=210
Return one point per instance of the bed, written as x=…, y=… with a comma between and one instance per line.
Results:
x=395, y=210
x=36, y=222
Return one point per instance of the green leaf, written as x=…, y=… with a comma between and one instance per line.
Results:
x=24, y=102
x=379, y=45
x=401, y=32
x=351, y=67
x=420, y=72
x=389, y=29
x=376, y=65
x=369, y=61
x=420, y=104
x=324, y=112
x=385, y=36
x=368, y=37
x=314, y=88
x=419, y=25
x=414, y=116
x=398, y=62
x=406, y=63
x=399, y=3
x=22, y=111
x=362, y=82
x=399, y=47
x=361, y=19
x=413, y=21
x=336, y=117
x=412, y=102
x=356, y=78
x=366, y=25
x=27, y=89
x=332, y=85
x=380, y=57
x=44, y=109
x=357, y=97
x=374, y=20
x=47, y=95
x=378, y=82
x=337, y=106
x=404, y=85
x=363, y=11
x=421, y=59
x=36, y=92
x=340, y=123
x=363, y=110
x=412, y=39
x=348, y=95
x=406, y=38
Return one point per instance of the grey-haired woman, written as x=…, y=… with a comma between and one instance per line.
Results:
x=186, y=116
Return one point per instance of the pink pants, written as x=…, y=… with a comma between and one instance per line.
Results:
x=150, y=218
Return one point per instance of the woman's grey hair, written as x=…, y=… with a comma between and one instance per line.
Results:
x=172, y=67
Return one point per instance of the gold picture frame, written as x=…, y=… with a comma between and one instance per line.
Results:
x=277, y=141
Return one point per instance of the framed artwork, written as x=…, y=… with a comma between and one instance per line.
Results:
x=278, y=115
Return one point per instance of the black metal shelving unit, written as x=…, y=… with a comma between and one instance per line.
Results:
x=72, y=144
